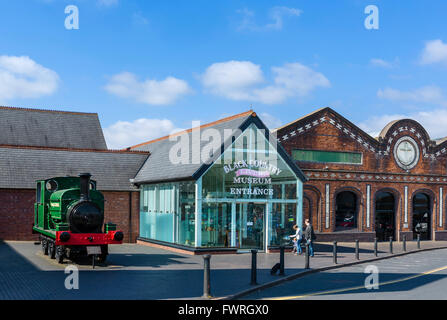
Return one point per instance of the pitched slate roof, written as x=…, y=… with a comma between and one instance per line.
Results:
x=47, y=128
x=158, y=166
x=20, y=167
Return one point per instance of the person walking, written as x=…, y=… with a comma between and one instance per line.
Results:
x=309, y=236
x=297, y=237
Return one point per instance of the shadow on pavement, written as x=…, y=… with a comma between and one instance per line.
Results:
x=324, y=283
x=144, y=260
x=327, y=248
x=11, y=260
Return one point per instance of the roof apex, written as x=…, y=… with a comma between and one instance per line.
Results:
x=303, y=117
x=210, y=124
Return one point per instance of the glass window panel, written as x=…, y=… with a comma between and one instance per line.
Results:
x=158, y=221
x=216, y=224
x=161, y=207
x=290, y=191
x=244, y=170
x=327, y=156
x=152, y=199
x=186, y=217
x=168, y=199
x=38, y=193
x=283, y=218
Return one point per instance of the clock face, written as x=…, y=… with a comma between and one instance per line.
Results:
x=406, y=153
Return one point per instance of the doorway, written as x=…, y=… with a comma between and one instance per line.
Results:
x=421, y=216
x=385, y=216
x=250, y=224
x=346, y=211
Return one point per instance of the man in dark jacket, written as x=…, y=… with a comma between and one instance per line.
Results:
x=309, y=235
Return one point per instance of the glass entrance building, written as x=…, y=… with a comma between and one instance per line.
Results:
x=224, y=185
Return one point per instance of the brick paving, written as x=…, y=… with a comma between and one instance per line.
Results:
x=140, y=272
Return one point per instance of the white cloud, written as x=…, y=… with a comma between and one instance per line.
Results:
x=299, y=79
x=375, y=124
x=427, y=94
x=247, y=22
x=232, y=79
x=124, y=134
x=435, y=51
x=431, y=120
x=270, y=95
x=276, y=15
x=139, y=19
x=21, y=77
x=151, y=92
x=270, y=121
x=241, y=80
x=383, y=63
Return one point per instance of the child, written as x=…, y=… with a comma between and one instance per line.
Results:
x=297, y=240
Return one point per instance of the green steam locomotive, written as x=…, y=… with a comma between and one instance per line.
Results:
x=69, y=218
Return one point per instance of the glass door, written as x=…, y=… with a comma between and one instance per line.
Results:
x=250, y=225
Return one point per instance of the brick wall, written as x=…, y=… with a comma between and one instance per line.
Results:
x=17, y=213
x=117, y=211
x=327, y=130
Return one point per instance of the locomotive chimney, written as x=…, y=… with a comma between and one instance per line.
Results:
x=85, y=186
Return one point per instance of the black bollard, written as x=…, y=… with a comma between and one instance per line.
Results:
x=375, y=247
x=253, y=267
x=391, y=245
x=281, y=260
x=334, y=252
x=306, y=266
x=357, y=250
x=206, y=276
x=404, y=243
x=419, y=240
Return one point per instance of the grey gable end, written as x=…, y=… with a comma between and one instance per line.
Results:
x=158, y=167
x=46, y=128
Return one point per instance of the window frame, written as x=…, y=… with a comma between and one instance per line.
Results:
x=330, y=151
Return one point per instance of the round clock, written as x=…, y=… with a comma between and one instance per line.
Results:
x=406, y=153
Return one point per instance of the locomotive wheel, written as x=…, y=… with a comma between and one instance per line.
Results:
x=104, y=252
x=44, y=246
x=51, y=249
x=60, y=253
x=102, y=257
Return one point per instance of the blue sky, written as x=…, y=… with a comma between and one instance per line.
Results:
x=151, y=67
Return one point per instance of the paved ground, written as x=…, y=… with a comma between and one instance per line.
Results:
x=417, y=276
x=140, y=272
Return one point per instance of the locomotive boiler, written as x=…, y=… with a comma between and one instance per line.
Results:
x=69, y=218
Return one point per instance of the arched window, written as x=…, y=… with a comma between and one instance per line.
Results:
x=385, y=216
x=421, y=216
x=346, y=211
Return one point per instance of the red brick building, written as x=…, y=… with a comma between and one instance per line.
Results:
x=38, y=144
x=363, y=187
